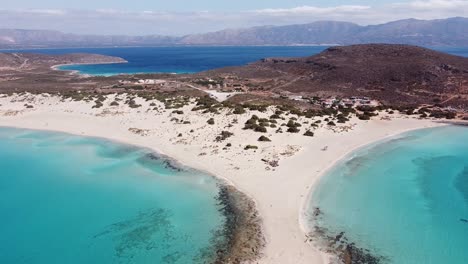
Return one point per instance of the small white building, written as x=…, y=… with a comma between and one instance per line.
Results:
x=151, y=81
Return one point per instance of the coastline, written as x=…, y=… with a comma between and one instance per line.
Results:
x=305, y=206
x=279, y=193
x=76, y=72
x=243, y=228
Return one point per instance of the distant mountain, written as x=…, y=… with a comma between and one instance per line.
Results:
x=323, y=32
x=441, y=32
x=16, y=38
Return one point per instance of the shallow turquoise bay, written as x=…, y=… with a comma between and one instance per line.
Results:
x=405, y=199
x=70, y=199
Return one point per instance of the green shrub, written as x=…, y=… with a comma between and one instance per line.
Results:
x=210, y=121
x=133, y=104
x=98, y=104
x=264, y=139
x=223, y=136
x=366, y=108
x=260, y=129
x=239, y=110
x=291, y=123
x=309, y=133
x=364, y=117
x=251, y=121
x=293, y=130
x=250, y=147
x=250, y=126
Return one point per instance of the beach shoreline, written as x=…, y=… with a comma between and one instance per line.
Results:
x=279, y=193
x=243, y=224
x=305, y=206
x=76, y=72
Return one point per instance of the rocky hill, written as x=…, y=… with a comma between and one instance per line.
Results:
x=392, y=73
x=34, y=72
x=30, y=61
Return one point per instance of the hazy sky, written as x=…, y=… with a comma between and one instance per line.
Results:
x=182, y=5
x=178, y=17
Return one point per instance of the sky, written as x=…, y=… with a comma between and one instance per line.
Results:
x=181, y=5
x=180, y=17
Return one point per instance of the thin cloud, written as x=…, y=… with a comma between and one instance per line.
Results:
x=314, y=10
x=436, y=5
x=54, y=12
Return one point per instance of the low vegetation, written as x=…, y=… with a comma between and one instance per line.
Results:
x=248, y=147
x=223, y=136
x=263, y=139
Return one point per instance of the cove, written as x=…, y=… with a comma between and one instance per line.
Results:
x=72, y=199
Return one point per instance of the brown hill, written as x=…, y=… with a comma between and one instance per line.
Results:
x=391, y=73
x=28, y=61
x=33, y=72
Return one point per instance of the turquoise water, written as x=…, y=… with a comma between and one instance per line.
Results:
x=404, y=199
x=70, y=199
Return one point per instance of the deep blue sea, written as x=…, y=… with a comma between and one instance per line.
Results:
x=75, y=200
x=189, y=59
x=178, y=59
x=405, y=199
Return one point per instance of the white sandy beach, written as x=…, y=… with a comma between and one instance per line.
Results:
x=279, y=192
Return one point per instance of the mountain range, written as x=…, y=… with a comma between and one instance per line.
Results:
x=440, y=32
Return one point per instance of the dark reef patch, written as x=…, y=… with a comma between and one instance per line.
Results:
x=169, y=165
x=152, y=161
x=241, y=239
x=139, y=233
x=337, y=244
x=461, y=183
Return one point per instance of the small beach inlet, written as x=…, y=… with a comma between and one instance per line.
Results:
x=402, y=200
x=71, y=199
